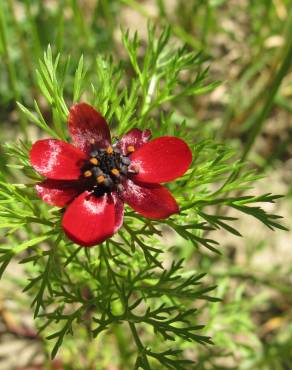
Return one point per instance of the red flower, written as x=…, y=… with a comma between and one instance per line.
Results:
x=95, y=178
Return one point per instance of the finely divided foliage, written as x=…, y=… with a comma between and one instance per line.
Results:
x=129, y=280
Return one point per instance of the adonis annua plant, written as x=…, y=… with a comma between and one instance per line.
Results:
x=114, y=173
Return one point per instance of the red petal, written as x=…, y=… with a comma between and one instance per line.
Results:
x=135, y=138
x=87, y=126
x=56, y=193
x=56, y=159
x=89, y=220
x=152, y=201
x=161, y=160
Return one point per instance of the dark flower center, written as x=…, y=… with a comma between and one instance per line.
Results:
x=106, y=169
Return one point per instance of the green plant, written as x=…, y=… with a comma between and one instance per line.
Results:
x=132, y=281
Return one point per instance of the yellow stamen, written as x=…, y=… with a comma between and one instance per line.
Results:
x=130, y=149
x=100, y=179
x=94, y=161
x=109, y=150
x=115, y=172
x=92, y=141
x=87, y=173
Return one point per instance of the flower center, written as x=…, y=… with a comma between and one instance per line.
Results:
x=106, y=169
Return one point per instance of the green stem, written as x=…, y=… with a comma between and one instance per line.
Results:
x=269, y=102
x=118, y=333
x=36, y=42
x=83, y=32
x=10, y=67
x=232, y=118
x=123, y=350
x=206, y=24
x=21, y=42
x=272, y=89
x=140, y=346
